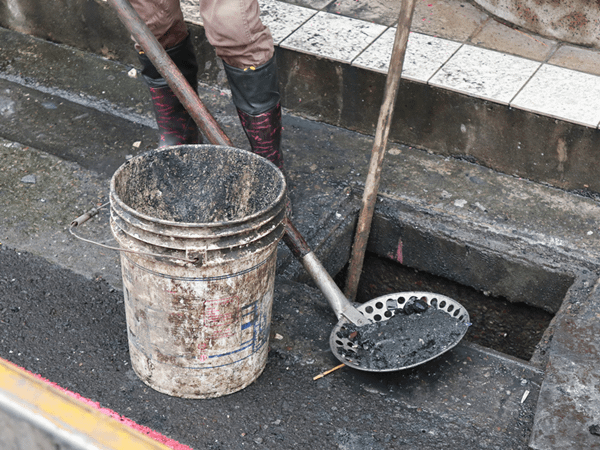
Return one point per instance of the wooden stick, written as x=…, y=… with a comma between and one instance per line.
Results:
x=327, y=372
x=381, y=135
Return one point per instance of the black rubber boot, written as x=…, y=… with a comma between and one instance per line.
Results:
x=264, y=133
x=255, y=93
x=175, y=125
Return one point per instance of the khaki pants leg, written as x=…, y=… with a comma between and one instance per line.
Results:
x=164, y=18
x=234, y=28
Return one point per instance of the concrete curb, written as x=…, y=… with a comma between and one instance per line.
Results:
x=35, y=413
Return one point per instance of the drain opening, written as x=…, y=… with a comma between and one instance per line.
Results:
x=511, y=328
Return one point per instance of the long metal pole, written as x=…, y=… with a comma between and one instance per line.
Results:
x=167, y=68
x=340, y=305
x=381, y=136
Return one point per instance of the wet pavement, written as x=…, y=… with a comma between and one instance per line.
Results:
x=62, y=310
x=71, y=330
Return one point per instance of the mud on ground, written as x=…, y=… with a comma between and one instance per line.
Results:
x=72, y=331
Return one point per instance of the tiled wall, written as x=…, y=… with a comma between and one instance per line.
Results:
x=521, y=82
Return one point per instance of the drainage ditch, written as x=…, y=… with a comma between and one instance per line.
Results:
x=511, y=328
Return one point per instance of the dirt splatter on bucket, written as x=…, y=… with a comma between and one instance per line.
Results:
x=203, y=223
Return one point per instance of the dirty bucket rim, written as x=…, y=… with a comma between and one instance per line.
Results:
x=277, y=202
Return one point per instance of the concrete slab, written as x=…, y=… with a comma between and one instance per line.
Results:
x=454, y=20
x=497, y=36
x=36, y=216
x=573, y=21
x=568, y=413
x=576, y=58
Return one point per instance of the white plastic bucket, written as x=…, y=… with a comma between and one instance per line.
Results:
x=198, y=330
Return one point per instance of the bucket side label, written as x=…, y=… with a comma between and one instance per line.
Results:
x=199, y=323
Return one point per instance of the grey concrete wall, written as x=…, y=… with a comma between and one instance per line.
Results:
x=574, y=21
x=86, y=24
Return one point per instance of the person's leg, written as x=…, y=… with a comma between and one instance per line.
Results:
x=165, y=20
x=175, y=125
x=245, y=45
x=256, y=96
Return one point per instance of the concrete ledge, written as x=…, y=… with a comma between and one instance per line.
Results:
x=473, y=261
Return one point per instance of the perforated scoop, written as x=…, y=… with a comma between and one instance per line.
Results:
x=378, y=336
x=396, y=341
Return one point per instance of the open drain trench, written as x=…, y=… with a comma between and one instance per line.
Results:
x=511, y=328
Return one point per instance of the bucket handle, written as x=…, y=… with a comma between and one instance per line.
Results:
x=94, y=211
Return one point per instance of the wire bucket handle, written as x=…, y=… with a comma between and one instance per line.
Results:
x=93, y=212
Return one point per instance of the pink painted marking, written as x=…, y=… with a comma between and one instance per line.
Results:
x=124, y=420
x=399, y=256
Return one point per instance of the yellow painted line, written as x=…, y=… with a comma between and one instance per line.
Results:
x=29, y=397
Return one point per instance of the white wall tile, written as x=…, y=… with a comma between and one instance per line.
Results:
x=564, y=94
x=335, y=37
x=283, y=18
x=485, y=74
x=424, y=55
x=191, y=11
